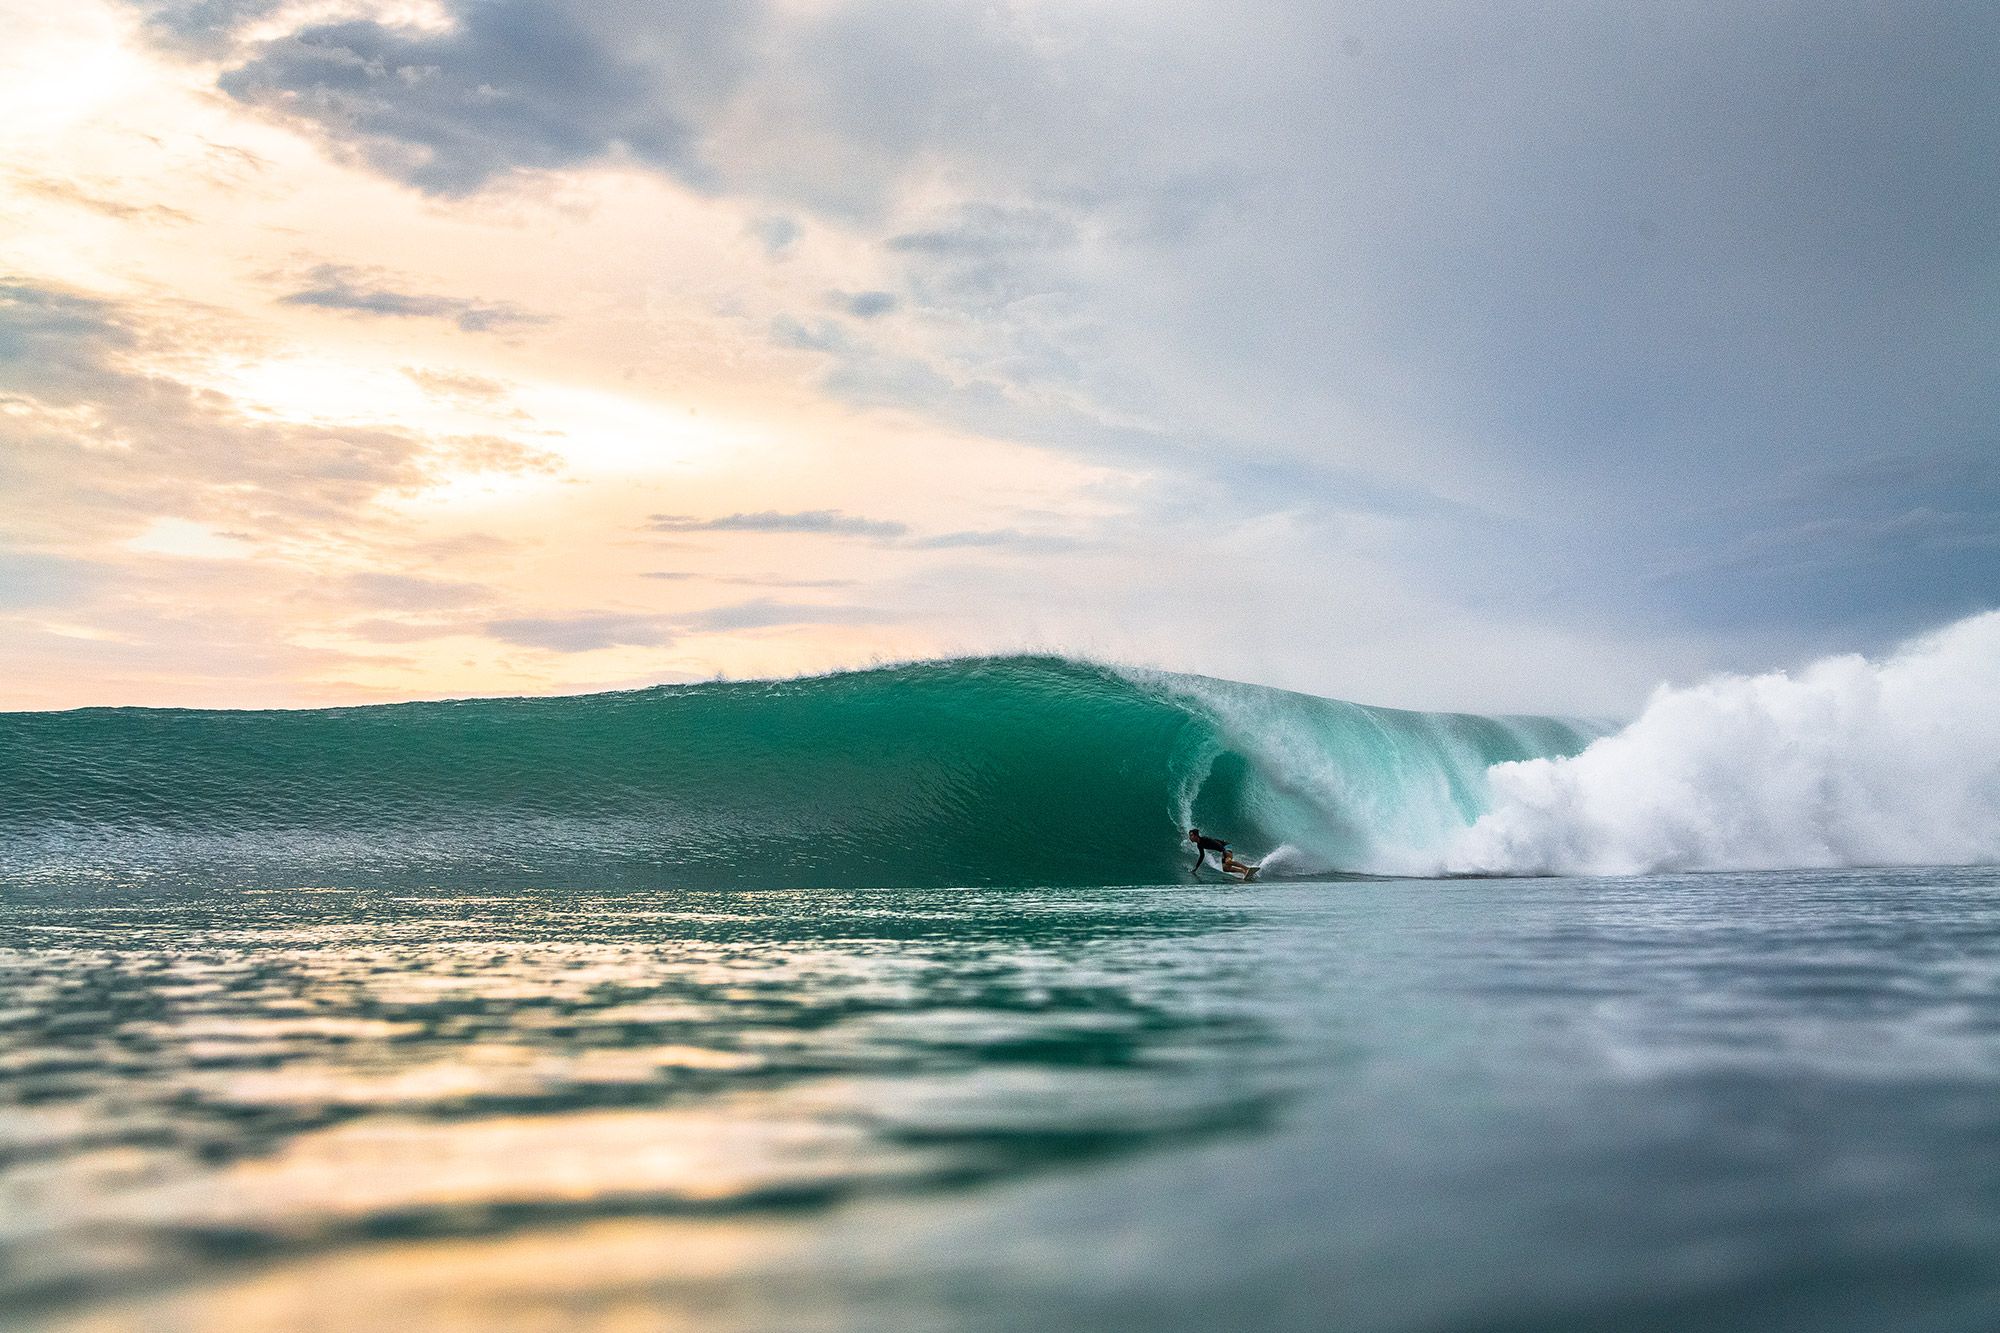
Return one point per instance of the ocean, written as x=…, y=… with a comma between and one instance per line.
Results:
x=887, y=1001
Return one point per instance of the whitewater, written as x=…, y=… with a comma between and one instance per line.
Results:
x=1850, y=762
x=1016, y=770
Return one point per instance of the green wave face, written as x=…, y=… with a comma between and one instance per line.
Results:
x=1023, y=770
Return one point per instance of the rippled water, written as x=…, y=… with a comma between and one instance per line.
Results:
x=1731, y=1101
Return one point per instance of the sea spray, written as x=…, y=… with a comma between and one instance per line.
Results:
x=1848, y=763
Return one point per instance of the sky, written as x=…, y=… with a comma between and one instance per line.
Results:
x=1453, y=356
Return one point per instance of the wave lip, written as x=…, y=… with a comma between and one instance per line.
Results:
x=1848, y=763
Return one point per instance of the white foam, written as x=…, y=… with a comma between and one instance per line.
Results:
x=1850, y=762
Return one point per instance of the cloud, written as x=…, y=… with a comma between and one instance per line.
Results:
x=825, y=336
x=361, y=292
x=458, y=385
x=886, y=532
x=776, y=234
x=864, y=305
x=378, y=630
x=593, y=631
x=1578, y=288
x=1017, y=539
x=28, y=579
x=983, y=230
x=202, y=27
x=410, y=592
x=509, y=86
x=745, y=580
x=766, y=613
x=71, y=192
x=583, y=633
x=99, y=440
x=58, y=343
x=73, y=368
x=824, y=521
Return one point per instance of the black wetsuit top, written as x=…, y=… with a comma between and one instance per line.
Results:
x=1208, y=844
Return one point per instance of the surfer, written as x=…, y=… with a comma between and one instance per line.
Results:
x=1203, y=845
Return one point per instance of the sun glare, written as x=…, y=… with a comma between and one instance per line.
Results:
x=609, y=435
x=309, y=388
x=64, y=69
x=188, y=540
x=596, y=434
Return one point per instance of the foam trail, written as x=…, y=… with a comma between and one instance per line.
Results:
x=1848, y=763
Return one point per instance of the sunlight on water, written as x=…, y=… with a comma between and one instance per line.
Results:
x=239, y=1075
x=1705, y=1102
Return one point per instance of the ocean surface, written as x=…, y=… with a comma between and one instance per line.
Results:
x=886, y=1001
x=1730, y=1101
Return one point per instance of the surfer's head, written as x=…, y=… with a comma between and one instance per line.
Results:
x=1193, y=833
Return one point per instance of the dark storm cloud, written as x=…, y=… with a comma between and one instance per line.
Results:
x=1612, y=274
x=362, y=292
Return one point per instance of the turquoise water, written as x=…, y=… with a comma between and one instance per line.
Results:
x=1750, y=1101
x=886, y=1001
x=1013, y=770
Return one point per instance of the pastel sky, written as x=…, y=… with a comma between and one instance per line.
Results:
x=1482, y=356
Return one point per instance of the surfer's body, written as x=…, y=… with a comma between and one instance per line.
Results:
x=1203, y=845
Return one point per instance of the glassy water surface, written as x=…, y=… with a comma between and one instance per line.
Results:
x=1728, y=1101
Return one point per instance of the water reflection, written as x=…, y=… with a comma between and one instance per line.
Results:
x=192, y=1079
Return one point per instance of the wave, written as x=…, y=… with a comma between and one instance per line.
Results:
x=1848, y=763
x=1011, y=770
x=1014, y=770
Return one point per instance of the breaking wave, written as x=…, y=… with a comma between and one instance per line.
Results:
x=1013, y=770
x=1850, y=762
